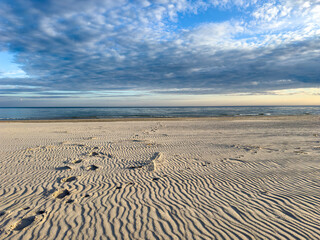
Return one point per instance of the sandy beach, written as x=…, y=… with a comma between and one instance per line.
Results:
x=209, y=178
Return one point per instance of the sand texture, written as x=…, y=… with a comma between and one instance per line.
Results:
x=228, y=178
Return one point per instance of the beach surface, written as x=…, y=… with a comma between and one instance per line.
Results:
x=206, y=178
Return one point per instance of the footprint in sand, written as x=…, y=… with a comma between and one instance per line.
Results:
x=69, y=179
x=76, y=161
x=263, y=192
x=90, y=138
x=63, y=168
x=236, y=160
x=204, y=164
x=92, y=154
x=298, y=152
x=61, y=193
x=23, y=223
x=134, y=167
x=150, y=144
x=92, y=167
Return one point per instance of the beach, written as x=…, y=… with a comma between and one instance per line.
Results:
x=189, y=178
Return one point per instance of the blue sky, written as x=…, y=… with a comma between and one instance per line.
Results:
x=155, y=53
x=8, y=67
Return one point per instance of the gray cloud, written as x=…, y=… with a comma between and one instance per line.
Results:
x=112, y=45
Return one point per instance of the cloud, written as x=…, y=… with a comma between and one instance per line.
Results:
x=100, y=46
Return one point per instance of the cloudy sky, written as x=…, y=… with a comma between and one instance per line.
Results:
x=160, y=52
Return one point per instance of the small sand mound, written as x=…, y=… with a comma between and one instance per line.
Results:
x=153, y=164
x=155, y=160
x=61, y=193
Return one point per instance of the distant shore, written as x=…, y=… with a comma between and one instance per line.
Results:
x=219, y=118
x=149, y=113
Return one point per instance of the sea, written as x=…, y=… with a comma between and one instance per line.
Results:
x=55, y=113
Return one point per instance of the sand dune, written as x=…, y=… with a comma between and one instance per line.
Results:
x=232, y=178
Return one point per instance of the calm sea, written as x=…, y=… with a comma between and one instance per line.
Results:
x=148, y=112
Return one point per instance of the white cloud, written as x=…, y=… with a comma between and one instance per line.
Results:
x=13, y=74
x=216, y=35
x=98, y=45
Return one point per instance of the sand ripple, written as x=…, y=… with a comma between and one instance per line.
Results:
x=204, y=179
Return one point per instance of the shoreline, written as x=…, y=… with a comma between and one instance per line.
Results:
x=215, y=118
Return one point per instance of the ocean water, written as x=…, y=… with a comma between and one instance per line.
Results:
x=149, y=112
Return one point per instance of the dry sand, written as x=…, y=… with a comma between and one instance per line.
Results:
x=227, y=178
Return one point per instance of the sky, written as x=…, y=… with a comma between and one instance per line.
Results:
x=159, y=53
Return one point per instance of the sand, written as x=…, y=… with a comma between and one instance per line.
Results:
x=225, y=178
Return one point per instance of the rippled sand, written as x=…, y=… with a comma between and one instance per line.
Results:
x=225, y=178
